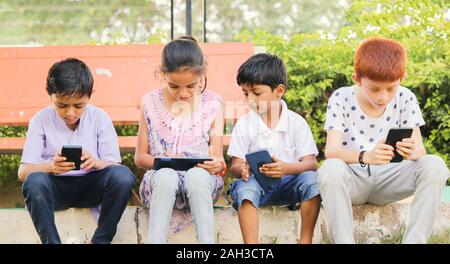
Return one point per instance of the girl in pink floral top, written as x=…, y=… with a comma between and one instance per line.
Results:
x=181, y=119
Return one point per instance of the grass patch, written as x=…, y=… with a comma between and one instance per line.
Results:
x=395, y=238
x=443, y=238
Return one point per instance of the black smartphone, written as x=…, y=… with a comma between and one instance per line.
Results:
x=395, y=135
x=72, y=154
x=255, y=160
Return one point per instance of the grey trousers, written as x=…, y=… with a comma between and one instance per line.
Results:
x=342, y=185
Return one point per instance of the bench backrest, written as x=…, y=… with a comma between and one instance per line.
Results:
x=122, y=75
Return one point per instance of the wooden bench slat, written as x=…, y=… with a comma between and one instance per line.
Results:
x=11, y=145
x=127, y=144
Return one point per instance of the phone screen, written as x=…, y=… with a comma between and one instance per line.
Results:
x=72, y=154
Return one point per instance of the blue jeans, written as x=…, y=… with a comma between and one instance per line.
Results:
x=292, y=190
x=44, y=193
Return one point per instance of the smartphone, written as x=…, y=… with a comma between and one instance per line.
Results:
x=255, y=160
x=395, y=135
x=72, y=154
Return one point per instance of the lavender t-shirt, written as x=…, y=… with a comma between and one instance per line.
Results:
x=47, y=133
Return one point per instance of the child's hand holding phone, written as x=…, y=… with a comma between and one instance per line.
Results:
x=212, y=166
x=381, y=154
x=398, y=146
x=274, y=170
x=406, y=148
x=88, y=162
x=60, y=165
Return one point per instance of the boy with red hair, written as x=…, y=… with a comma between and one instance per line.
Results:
x=358, y=168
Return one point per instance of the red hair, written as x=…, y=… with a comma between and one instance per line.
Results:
x=380, y=59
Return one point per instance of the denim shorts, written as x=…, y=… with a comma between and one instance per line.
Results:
x=292, y=190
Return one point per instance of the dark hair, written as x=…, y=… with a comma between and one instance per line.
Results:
x=265, y=69
x=183, y=54
x=70, y=77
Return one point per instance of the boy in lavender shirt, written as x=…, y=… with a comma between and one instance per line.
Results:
x=49, y=182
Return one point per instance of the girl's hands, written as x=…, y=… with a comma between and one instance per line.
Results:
x=213, y=167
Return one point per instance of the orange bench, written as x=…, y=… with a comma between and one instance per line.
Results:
x=122, y=75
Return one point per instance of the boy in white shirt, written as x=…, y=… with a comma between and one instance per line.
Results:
x=286, y=136
x=358, y=168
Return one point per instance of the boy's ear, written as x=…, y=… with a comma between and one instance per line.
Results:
x=280, y=90
x=356, y=79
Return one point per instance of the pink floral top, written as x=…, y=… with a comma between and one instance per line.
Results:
x=187, y=136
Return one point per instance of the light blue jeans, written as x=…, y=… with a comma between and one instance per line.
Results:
x=292, y=190
x=199, y=186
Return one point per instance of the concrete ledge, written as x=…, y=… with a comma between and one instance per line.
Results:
x=277, y=225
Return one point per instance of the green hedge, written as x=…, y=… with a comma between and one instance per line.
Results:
x=319, y=63
x=10, y=163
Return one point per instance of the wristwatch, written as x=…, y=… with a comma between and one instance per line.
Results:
x=361, y=158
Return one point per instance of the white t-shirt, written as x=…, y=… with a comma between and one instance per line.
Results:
x=289, y=141
x=361, y=132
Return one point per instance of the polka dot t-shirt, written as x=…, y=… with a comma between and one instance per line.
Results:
x=361, y=132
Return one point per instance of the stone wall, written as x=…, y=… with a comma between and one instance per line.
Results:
x=373, y=224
